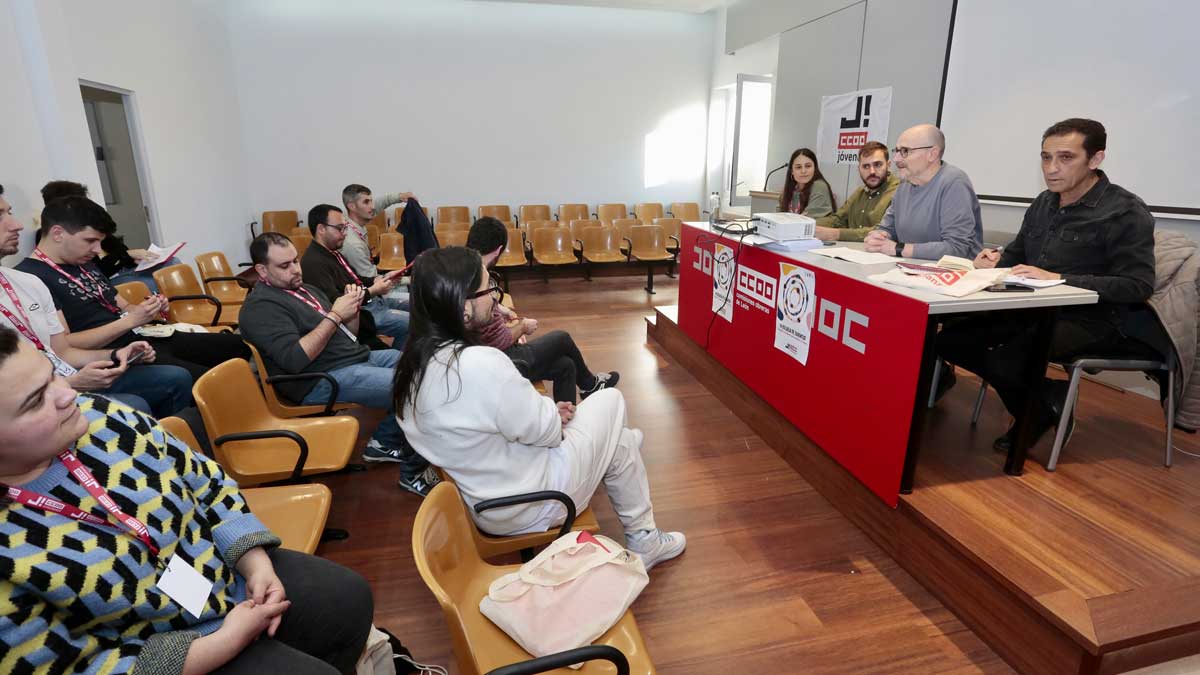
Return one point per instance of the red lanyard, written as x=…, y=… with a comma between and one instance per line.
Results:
x=23, y=325
x=99, y=294
x=89, y=483
x=358, y=229
x=346, y=266
x=311, y=300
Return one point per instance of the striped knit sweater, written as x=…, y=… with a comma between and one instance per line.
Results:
x=82, y=598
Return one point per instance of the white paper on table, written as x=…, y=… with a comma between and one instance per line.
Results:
x=855, y=256
x=158, y=256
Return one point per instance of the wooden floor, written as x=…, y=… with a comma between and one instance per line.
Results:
x=774, y=579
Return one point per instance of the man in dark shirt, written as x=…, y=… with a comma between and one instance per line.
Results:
x=298, y=330
x=99, y=318
x=1092, y=234
x=325, y=268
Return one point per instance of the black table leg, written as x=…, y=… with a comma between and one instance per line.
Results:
x=920, y=406
x=1035, y=372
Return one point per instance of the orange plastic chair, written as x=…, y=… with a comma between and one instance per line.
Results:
x=134, y=292
x=391, y=252
x=577, y=229
x=602, y=244
x=625, y=226
x=688, y=212
x=453, y=238
x=552, y=248
x=373, y=234
x=282, y=408
x=294, y=513
x=648, y=244
x=531, y=226
x=453, y=214
x=647, y=212
x=513, y=254
x=301, y=241
x=569, y=212
x=607, y=213
x=443, y=228
x=255, y=446
x=279, y=221
x=188, y=303
x=529, y=212
x=219, y=280
x=450, y=565
x=498, y=211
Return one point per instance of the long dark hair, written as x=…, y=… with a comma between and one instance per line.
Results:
x=441, y=281
x=789, y=183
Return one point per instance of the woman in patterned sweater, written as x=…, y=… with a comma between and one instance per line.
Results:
x=111, y=527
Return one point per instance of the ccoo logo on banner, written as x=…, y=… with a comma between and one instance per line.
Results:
x=850, y=120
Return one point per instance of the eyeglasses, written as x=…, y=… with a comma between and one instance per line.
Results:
x=901, y=151
x=494, y=289
x=339, y=228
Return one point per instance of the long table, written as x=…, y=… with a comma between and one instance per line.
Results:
x=846, y=359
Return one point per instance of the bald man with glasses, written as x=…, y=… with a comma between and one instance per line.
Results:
x=935, y=211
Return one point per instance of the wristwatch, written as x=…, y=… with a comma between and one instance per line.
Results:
x=899, y=249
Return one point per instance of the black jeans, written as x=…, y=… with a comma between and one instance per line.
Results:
x=325, y=629
x=995, y=347
x=197, y=352
x=553, y=356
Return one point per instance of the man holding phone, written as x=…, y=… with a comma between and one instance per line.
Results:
x=326, y=268
x=1087, y=231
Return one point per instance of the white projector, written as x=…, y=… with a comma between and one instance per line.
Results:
x=785, y=226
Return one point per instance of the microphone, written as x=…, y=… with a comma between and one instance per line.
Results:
x=768, y=179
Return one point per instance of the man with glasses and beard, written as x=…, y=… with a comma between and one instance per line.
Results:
x=935, y=211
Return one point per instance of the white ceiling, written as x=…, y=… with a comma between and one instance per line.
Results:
x=691, y=6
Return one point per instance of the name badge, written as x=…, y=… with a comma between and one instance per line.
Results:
x=187, y=587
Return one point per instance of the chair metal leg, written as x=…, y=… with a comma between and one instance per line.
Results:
x=1170, y=411
x=587, y=269
x=983, y=387
x=937, y=375
x=650, y=279
x=1060, y=434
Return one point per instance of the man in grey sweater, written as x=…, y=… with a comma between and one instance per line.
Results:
x=935, y=211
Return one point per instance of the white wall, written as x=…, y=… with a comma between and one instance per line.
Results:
x=173, y=56
x=469, y=103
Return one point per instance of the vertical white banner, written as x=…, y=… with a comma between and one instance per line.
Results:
x=795, y=310
x=850, y=120
x=722, y=275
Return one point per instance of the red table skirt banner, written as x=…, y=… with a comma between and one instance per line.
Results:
x=837, y=357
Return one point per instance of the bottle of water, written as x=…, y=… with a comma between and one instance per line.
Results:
x=714, y=208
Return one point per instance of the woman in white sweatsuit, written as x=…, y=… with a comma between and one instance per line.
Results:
x=467, y=409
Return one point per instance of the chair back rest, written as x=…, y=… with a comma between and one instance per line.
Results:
x=515, y=245
x=689, y=212
x=181, y=280
x=670, y=226
x=609, y=212
x=532, y=226
x=552, y=240
x=647, y=212
x=578, y=227
x=230, y=400
x=529, y=212
x=214, y=264
x=453, y=238
x=373, y=234
x=134, y=292
x=301, y=240
x=379, y=221
x=625, y=226
x=276, y=405
x=453, y=214
x=180, y=429
x=391, y=245
x=648, y=238
x=601, y=238
x=569, y=212
x=443, y=228
x=500, y=212
x=279, y=221
x=447, y=560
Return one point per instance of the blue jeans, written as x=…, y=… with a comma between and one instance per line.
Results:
x=370, y=384
x=166, y=389
x=391, y=317
x=146, y=277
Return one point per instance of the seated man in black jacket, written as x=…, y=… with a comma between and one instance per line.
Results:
x=326, y=268
x=298, y=330
x=1082, y=229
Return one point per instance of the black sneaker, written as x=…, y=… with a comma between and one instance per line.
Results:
x=603, y=381
x=421, y=483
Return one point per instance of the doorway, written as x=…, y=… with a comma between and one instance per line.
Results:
x=122, y=177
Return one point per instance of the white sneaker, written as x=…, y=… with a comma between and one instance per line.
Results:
x=655, y=546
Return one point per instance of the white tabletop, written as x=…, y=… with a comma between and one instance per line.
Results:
x=982, y=301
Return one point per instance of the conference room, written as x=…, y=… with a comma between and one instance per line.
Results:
x=678, y=336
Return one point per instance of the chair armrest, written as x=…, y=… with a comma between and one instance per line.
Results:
x=238, y=280
x=628, y=253
x=298, y=471
x=200, y=296
x=296, y=377
x=245, y=264
x=252, y=233
x=671, y=236
x=529, y=498
x=563, y=659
